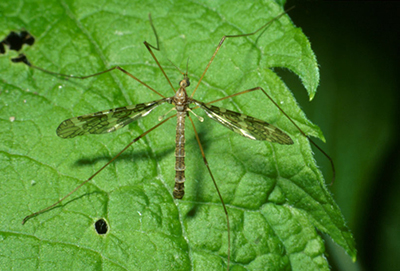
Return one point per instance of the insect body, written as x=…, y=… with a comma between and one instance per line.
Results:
x=181, y=102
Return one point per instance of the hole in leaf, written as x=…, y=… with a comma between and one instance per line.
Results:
x=21, y=58
x=101, y=226
x=15, y=41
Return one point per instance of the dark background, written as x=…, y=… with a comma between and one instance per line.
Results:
x=356, y=106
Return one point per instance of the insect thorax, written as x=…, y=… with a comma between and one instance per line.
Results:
x=181, y=99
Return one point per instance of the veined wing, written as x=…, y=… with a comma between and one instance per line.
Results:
x=246, y=126
x=106, y=121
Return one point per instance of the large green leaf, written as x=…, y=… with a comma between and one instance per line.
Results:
x=275, y=195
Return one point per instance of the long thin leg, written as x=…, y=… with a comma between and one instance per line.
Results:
x=97, y=172
x=23, y=58
x=284, y=113
x=216, y=187
x=265, y=26
x=149, y=46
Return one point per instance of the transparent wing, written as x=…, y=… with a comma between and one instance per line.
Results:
x=106, y=121
x=245, y=125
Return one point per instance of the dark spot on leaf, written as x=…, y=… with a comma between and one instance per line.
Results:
x=101, y=226
x=21, y=58
x=15, y=41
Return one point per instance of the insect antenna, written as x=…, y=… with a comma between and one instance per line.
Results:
x=176, y=67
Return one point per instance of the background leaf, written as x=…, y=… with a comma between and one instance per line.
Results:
x=275, y=194
x=356, y=108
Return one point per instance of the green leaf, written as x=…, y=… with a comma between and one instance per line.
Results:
x=275, y=195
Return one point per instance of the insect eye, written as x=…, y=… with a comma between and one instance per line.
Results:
x=187, y=82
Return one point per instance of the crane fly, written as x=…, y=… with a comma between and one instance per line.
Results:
x=111, y=120
x=114, y=119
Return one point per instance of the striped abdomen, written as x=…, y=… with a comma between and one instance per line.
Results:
x=179, y=189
